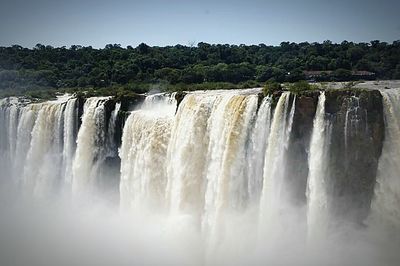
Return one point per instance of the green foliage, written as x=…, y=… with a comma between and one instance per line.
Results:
x=41, y=94
x=396, y=74
x=212, y=86
x=270, y=87
x=342, y=74
x=301, y=86
x=184, y=67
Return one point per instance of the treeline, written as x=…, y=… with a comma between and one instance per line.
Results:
x=142, y=67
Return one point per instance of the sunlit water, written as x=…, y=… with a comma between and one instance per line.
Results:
x=202, y=184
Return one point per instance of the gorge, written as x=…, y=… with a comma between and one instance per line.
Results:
x=237, y=176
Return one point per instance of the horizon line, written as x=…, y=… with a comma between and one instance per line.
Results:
x=115, y=45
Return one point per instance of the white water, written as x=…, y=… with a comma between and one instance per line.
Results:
x=204, y=184
x=275, y=197
x=90, y=141
x=187, y=155
x=12, y=118
x=25, y=127
x=110, y=142
x=318, y=215
x=352, y=120
x=226, y=189
x=386, y=204
x=258, y=145
x=70, y=129
x=143, y=156
x=43, y=161
x=39, y=141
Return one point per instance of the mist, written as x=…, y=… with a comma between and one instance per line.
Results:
x=62, y=233
x=187, y=186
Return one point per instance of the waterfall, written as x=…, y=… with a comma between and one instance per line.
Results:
x=9, y=123
x=25, y=127
x=90, y=140
x=12, y=114
x=385, y=206
x=43, y=161
x=187, y=154
x=247, y=176
x=258, y=146
x=317, y=217
x=274, y=194
x=111, y=147
x=143, y=154
x=70, y=129
x=351, y=125
x=226, y=188
x=38, y=143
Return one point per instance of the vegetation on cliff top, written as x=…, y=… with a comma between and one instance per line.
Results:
x=205, y=66
x=272, y=87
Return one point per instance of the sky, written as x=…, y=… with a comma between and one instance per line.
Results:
x=170, y=22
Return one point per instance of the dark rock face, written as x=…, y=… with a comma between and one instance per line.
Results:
x=356, y=127
x=80, y=103
x=109, y=161
x=109, y=106
x=297, y=166
x=357, y=133
x=108, y=181
x=130, y=101
x=179, y=98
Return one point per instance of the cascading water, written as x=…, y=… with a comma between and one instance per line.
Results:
x=187, y=154
x=353, y=118
x=9, y=122
x=38, y=142
x=111, y=145
x=386, y=204
x=226, y=189
x=10, y=117
x=25, y=127
x=217, y=162
x=318, y=215
x=70, y=131
x=143, y=154
x=274, y=196
x=90, y=141
x=258, y=145
x=43, y=161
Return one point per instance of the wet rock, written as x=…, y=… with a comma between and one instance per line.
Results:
x=357, y=133
x=179, y=98
x=130, y=101
x=297, y=167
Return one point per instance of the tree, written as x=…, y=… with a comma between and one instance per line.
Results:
x=143, y=48
x=271, y=87
x=47, y=66
x=169, y=74
x=342, y=74
x=396, y=74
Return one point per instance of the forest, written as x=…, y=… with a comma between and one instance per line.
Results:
x=204, y=66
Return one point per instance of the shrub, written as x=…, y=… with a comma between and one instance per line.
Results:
x=301, y=86
x=270, y=87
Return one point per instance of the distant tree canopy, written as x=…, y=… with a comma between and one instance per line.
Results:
x=80, y=67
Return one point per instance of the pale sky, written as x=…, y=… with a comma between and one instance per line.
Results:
x=170, y=22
